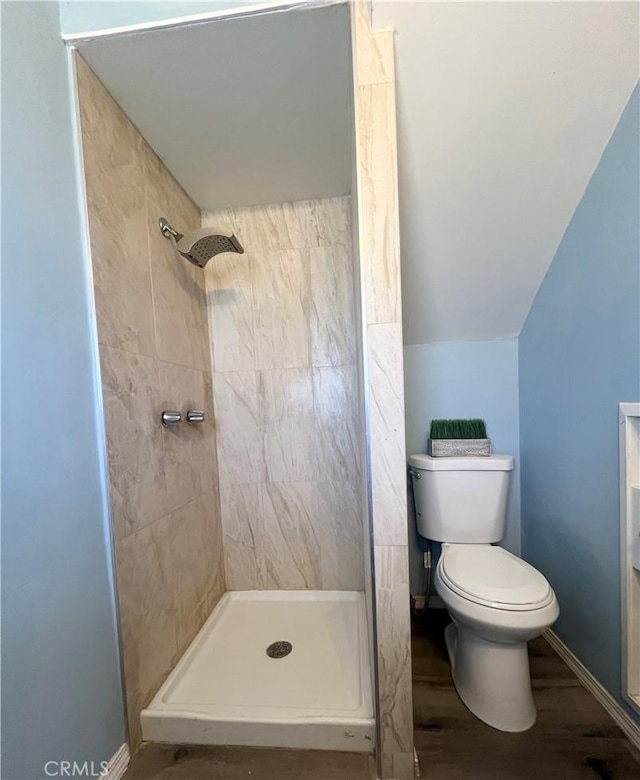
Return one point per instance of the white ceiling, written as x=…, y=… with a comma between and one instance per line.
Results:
x=504, y=110
x=242, y=111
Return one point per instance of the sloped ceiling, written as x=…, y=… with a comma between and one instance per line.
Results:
x=242, y=111
x=504, y=110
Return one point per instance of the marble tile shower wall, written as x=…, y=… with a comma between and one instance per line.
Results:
x=282, y=319
x=154, y=354
x=376, y=166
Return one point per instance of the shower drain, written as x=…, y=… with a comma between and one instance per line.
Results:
x=279, y=649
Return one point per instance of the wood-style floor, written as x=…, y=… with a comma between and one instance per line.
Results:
x=165, y=762
x=573, y=738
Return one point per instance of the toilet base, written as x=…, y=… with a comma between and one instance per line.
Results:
x=492, y=679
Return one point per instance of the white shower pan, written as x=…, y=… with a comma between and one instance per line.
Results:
x=226, y=690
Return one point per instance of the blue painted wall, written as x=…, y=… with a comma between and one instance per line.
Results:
x=579, y=357
x=82, y=16
x=61, y=690
x=463, y=379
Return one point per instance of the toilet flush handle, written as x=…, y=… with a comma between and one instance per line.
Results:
x=415, y=473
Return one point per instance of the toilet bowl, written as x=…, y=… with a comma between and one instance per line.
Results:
x=497, y=602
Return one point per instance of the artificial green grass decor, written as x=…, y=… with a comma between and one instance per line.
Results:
x=458, y=429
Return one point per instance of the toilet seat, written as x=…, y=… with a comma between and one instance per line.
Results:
x=493, y=577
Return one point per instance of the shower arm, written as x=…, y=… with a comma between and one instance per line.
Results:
x=168, y=231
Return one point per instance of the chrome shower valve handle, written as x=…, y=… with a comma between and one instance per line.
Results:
x=170, y=417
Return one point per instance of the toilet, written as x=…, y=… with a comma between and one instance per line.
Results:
x=497, y=601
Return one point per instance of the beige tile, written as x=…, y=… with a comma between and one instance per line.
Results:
x=238, y=430
x=230, y=304
x=333, y=221
x=361, y=16
x=244, y=543
x=379, y=230
x=192, y=546
x=374, y=54
x=176, y=206
x=290, y=512
x=170, y=576
x=307, y=421
x=403, y=766
x=281, y=294
x=387, y=452
x=269, y=228
x=189, y=450
x=380, y=258
x=208, y=443
x=285, y=393
x=221, y=218
x=111, y=144
x=122, y=280
x=216, y=563
x=134, y=440
x=333, y=327
x=213, y=542
x=319, y=220
x=339, y=533
x=178, y=287
x=394, y=653
x=337, y=429
x=285, y=400
x=117, y=221
x=179, y=296
x=147, y=616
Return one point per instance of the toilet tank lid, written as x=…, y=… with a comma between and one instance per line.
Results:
x=477, y=463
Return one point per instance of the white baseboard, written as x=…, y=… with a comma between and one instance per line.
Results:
x=117, y=765
x=435, y=602
x=630, y=728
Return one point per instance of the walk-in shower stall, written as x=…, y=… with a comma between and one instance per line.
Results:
x=240, y=184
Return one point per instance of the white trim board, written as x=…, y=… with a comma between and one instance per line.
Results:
x=630, y=729
x=117, y=765
x=73, y=39
x=630, y=551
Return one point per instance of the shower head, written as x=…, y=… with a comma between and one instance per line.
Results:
x=199, y=246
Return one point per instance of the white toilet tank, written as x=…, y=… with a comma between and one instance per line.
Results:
x=461, y=500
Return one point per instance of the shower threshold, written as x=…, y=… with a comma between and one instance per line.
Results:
x=311, y=690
